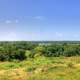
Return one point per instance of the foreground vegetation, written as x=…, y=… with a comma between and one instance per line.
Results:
x=23, y=60
x=42, y=68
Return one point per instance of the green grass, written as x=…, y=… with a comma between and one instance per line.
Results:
x=42, y=68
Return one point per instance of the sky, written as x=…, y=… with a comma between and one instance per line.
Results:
x=37, y=20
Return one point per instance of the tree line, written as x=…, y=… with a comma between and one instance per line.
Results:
x=21, y=50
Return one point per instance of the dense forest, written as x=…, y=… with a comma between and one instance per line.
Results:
x=21, y=50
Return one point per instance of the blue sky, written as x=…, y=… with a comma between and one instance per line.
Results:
x=39, y=20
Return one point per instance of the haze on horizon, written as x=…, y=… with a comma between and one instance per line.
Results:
x=39, y=20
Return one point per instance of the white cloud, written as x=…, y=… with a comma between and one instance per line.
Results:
x=16, y=21
x=11, y=21
x=58, y=34
x=76, y=36
x=11, y=36
x=38, y=17
x=8, y=21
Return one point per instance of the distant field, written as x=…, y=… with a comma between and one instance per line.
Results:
x=42, y=68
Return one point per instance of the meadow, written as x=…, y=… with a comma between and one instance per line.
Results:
x=41, y=68
x=23, y=60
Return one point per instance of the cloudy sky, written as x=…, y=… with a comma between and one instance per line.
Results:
x=39, y=20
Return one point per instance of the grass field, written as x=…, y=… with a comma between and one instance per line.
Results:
x=42, y=68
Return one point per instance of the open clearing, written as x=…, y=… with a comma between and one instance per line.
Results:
x=42, y=68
